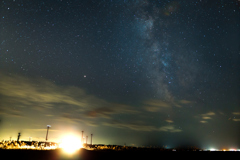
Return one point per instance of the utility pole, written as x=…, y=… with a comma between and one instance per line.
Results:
x=91, y=138
x=82, y=137
x=19, y=134
x=48, y=126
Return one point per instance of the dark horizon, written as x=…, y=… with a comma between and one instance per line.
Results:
x=43, y=145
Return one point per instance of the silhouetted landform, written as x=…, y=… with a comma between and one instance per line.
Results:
x=84, y=154
x=42, y=145
x=51, y=151
x=99, y=147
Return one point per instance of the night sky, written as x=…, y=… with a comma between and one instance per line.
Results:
x=134, y=72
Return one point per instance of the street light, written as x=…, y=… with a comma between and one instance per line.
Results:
x=48, y=126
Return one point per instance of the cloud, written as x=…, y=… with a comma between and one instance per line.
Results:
x=41, y=95
x=41, y=130
x=11, y=112
x=206, y=116
x=156, y=105
x=24, y=97
x=169, y=128
x=110, y=109
x=141, y=127
x=180, y=103
x=49, y=115
x=236, y=119
x=37, y=94
x=185, y=102
x=169, y=121
x=132, y=126
x=221, y=113
x=236, y=113
x=67, y=117
x=13, y=115
x=76, y=119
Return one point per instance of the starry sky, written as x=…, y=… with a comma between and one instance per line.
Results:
x=134, y=72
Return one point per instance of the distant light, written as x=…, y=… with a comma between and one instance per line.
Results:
x=232, y=149
x=212, y=149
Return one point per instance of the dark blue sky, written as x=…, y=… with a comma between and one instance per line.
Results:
x=138, y=72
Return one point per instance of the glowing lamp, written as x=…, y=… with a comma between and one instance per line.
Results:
x=70, y=144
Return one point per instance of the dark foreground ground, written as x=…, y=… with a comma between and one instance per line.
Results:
x=109, y=154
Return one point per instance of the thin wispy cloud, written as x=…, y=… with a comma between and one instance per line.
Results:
x=141, y=127
x=169, y=121
x=156, y=105
x=169, y=128
x=40, y=130
x=45, y=96
x=236, y=113
x=207, y=116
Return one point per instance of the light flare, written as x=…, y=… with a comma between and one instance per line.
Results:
x=70, y=144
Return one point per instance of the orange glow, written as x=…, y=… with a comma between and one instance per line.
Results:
x=70, y=144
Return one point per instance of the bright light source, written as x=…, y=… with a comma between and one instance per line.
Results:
x=232, y=149
x=212, y=149
x=71, y=144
